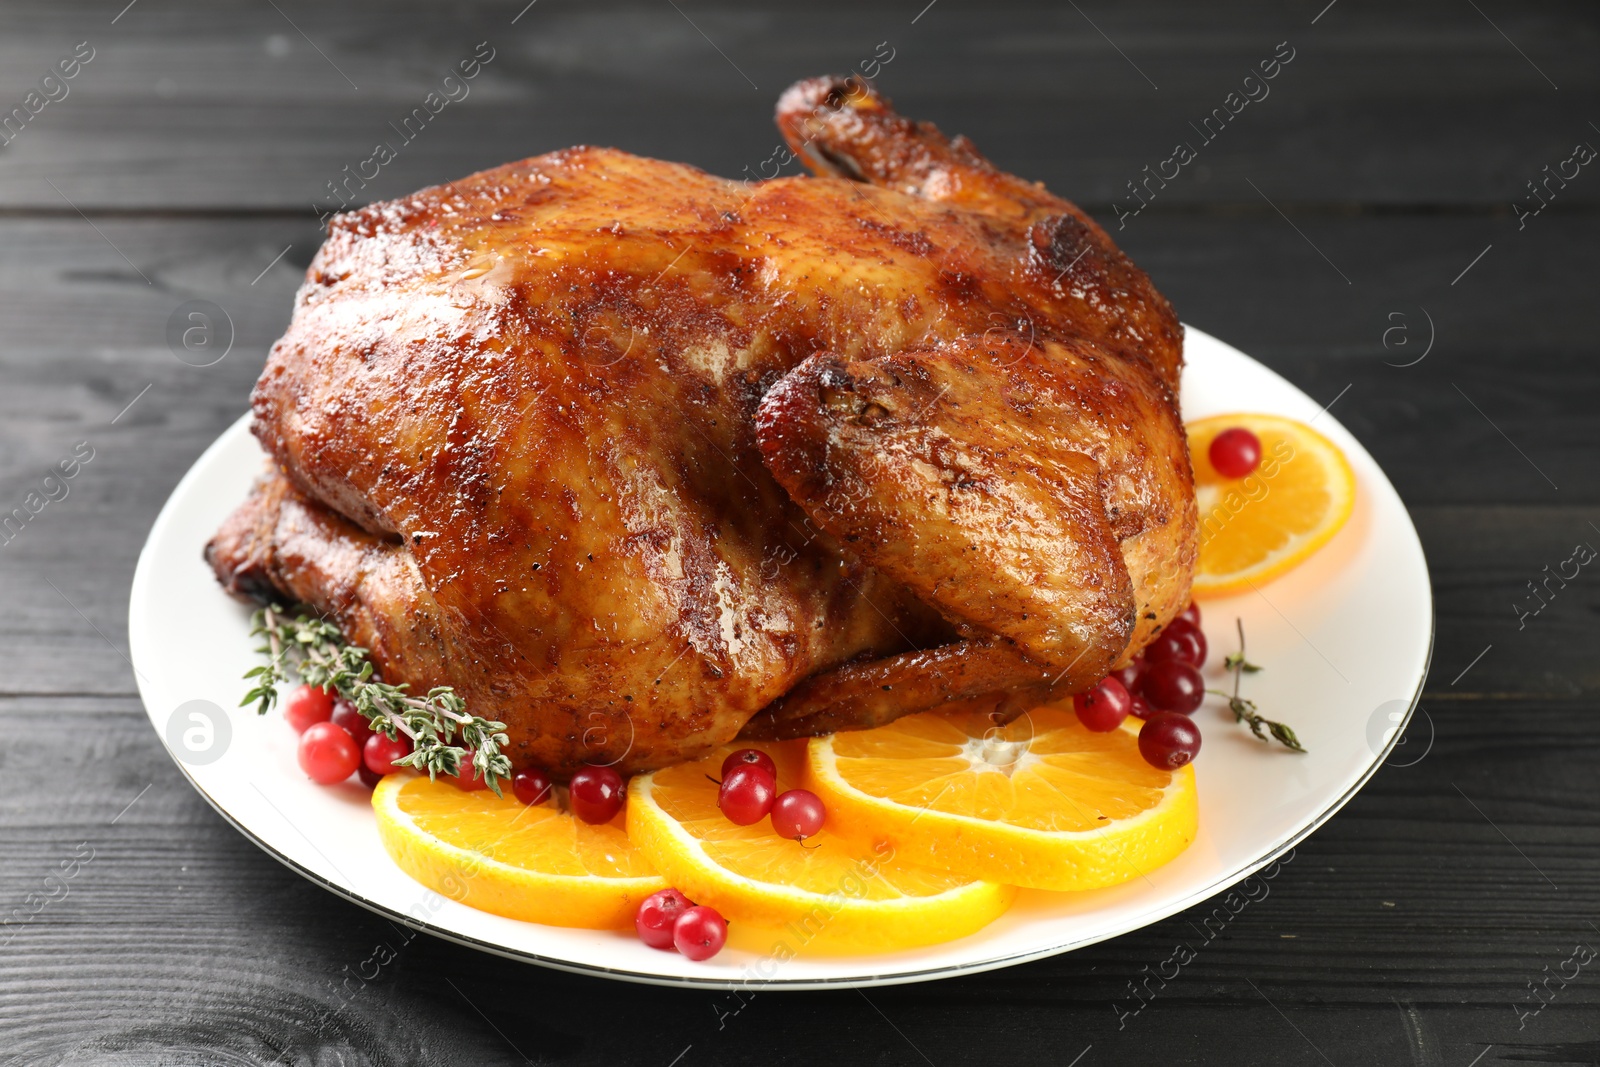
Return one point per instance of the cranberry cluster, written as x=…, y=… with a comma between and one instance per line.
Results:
x=749, y=793
x=1162, y=686
x=336, y=740
x=669, y=920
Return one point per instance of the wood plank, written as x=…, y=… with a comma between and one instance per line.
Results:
x=228, y=106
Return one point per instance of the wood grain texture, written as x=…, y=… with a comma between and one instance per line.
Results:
x=227, y=106
x=1405, y=931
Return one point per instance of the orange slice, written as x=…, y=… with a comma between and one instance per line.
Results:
x=1041, y=802
x=831, y=893
x=1254, y=528
x=496, y=854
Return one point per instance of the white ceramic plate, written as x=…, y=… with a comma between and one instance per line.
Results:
x=1345, y=638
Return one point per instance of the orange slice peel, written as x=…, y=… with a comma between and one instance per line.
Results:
x=1040, y=802
x=831, y=893
x=1255, y=528
x=531, y=862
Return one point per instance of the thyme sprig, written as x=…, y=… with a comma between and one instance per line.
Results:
x=315, y=650
x=1245, y=711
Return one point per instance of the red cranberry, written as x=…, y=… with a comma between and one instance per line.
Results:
x=307, y=705
x=1103, y=708
x=1129, y=676
x=596, y=794
x=798, y=814
x=749, y=757
x=327, y=754
x=1139, y=707
x=368, y=779
x=746, y=794
x=467, y=777
x=1173, y=686
x=1191, y=615
x=700, y=932
x=531, y=786
x=356, y=724
x=379, y=753
x=1199, y=635
x=1179, y=642
x=657, y=915
x=1169, y=741
x=1235, y=453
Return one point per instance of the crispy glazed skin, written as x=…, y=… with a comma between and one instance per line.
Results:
x=627, y=453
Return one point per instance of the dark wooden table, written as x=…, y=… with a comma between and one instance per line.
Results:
x=1376, y=201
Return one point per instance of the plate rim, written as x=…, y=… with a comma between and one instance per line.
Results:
x=745, y=981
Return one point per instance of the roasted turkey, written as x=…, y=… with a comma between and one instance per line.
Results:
x=641, y=460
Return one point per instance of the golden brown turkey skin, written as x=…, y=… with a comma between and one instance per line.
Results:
x=515, y=424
